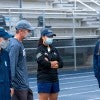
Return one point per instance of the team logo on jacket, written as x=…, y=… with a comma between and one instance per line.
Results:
x=38, y=55
x=55, y=53
x=24, y=53
x=46, y=54
x=5, y=63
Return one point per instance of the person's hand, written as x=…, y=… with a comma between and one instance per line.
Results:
x=54, y=64
x=12, y=91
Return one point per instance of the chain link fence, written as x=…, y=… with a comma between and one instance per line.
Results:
x=77, y=33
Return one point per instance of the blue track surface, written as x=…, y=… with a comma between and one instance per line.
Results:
x=79, y=85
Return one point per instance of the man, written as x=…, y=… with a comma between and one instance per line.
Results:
x=18, y=61
x=5, y=75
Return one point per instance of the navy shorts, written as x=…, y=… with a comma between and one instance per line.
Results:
x=48, y=87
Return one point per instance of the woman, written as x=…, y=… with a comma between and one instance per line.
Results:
x=4, y=66
x=49, y=61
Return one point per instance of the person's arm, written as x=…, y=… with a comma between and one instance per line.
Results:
x=9, y=73
x=9, y=68
x=95, y=59
x=13, y=54
x=59, y=59
x=42, y=60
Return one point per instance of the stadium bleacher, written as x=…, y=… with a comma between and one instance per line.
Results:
x=76, y=23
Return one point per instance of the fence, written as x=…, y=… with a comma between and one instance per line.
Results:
x=77, y=31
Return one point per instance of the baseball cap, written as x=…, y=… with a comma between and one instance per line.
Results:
x=47, y=32
x=24, y=24
x=5, y=34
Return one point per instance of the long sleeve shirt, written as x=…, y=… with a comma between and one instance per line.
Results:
x=17, y=55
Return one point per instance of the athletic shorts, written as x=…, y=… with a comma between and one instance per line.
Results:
x=48, y=87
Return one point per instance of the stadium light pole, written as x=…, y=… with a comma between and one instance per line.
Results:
x=98, y=14
x=74, y=41
x=9, y=20
x=99, y=20
x=20, y=3
x=20, y=6
x=43, y=18
x=75, y=4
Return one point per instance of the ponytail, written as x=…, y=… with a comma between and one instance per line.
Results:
x=40, y=41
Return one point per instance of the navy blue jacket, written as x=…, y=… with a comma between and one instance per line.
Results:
x=96, y=60
x=4, y=75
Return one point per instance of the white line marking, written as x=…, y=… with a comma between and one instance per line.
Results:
x=78, y=81
x=66, y=74
x=33, y=82
x=33, y=87
x=79, y=87
x=32, y=78
x=69, y=83
x=77, y=74
x=69, y=78
x=79, y=93
x=94, y=99
x=76, y=77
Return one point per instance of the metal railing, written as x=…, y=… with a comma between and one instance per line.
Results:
x=75, y=50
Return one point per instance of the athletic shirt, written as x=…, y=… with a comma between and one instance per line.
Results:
x=18, y=64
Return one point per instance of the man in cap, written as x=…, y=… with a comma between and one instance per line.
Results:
x=5, y=75
x=18, y=61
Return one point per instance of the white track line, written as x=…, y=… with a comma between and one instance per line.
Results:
x=67, y=74
x=32, y=78
x=79, y=87
x=69, y=78
x=33, y=87
x=69, y=83
x=76, y=77
x=77, y=73
x=79, y=93
x=77, y=81
x=94, y=99
x=33, y=82
x=72, y=87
